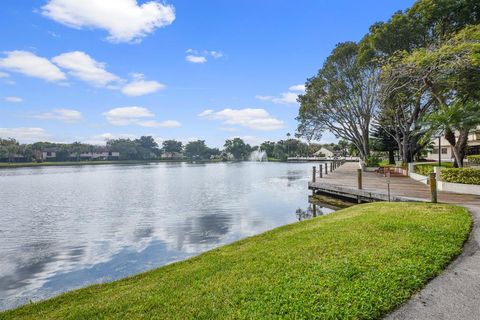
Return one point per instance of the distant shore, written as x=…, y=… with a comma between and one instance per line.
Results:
x=5, y=165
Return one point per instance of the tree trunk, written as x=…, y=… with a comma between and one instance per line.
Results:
x=391, y=157
x=460, y=148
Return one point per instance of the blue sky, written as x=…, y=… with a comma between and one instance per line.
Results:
x=92, y=70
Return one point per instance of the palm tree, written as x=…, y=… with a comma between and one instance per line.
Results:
x=288, y=144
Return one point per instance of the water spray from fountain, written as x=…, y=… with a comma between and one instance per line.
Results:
x=258, y=155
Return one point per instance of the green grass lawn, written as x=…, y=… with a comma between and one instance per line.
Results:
x=358, y=263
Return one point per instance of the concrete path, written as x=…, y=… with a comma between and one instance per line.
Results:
x=455, y=294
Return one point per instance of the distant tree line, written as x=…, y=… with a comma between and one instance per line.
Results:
x=146, y=148
x=408, y=80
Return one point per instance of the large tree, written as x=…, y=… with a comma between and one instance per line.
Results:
x=407, y=100
x=238, y=148
x=199, y=150
x=451, y=74
x=341, y=99
x=172, y=146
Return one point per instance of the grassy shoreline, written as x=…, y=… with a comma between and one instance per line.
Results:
x=361, y=262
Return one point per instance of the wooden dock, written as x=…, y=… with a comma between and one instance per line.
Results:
x=343, y=182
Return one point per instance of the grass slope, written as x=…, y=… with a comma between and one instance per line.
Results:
x=360, y=262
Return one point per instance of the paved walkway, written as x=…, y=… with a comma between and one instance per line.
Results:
x=455, y=294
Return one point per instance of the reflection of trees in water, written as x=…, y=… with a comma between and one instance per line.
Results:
x=293, y=175
x=307, y=214
x=205, y=229
x=209, y=228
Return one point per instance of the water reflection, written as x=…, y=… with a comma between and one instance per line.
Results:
x=313, y=210
x=66, y=227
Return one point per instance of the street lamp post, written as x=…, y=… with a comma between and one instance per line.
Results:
x=288, y=144
x=439, y=150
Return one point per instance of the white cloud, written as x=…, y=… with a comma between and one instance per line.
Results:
x=297, y=87
x=160, y=124
x=286, y=98
x=289, y=97
x=4, y=75
x=65, y=115
x=251, y=140
x=124, y=20
x=283, y=98
x=257, y=119
x=101, y=139
x=82, y=66
x=13, y=99
x=216, y=54
x=200, y=56
x=195, y=59
x=53, y=34
x=227, y=129
x=24, y=134
x=140, y=87
x=31, y=65
x=125, y=116
x=264, y=98
x=205, y=113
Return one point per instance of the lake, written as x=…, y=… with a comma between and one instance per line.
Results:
x=63, y=228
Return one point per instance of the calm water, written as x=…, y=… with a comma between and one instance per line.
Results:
x=62, y=228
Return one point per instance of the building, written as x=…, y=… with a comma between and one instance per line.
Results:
x=327, y=153
x=100, y=155
x=49, y=155
x=171, y=155
x=446, y=150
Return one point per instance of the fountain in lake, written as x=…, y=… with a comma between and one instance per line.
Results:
x=258, y=155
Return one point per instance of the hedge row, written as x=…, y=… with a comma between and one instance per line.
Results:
x=461, y=175
x=423, y=169
x=475, y=159
x=426, y=168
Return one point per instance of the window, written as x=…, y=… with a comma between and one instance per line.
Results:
x=444, y=150
x=435, y=150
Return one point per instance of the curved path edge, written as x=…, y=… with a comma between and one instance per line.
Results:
x=455, y=293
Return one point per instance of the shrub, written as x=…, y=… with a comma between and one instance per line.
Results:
x=474, y=159
x=461, y=175
x=423, y=169
x=427, y=168
x=373, y=161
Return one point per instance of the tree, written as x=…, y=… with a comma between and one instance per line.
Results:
x=405, y=100
x=343, y=146
x=280, y=150
x=172, y=146
x=238, y=148
x=197, y=150
x=450, y=73
x=268, y=147
x=384, y=141
x=9, y=148
x=341, y=99
x=146, y=147
x=148, y=143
